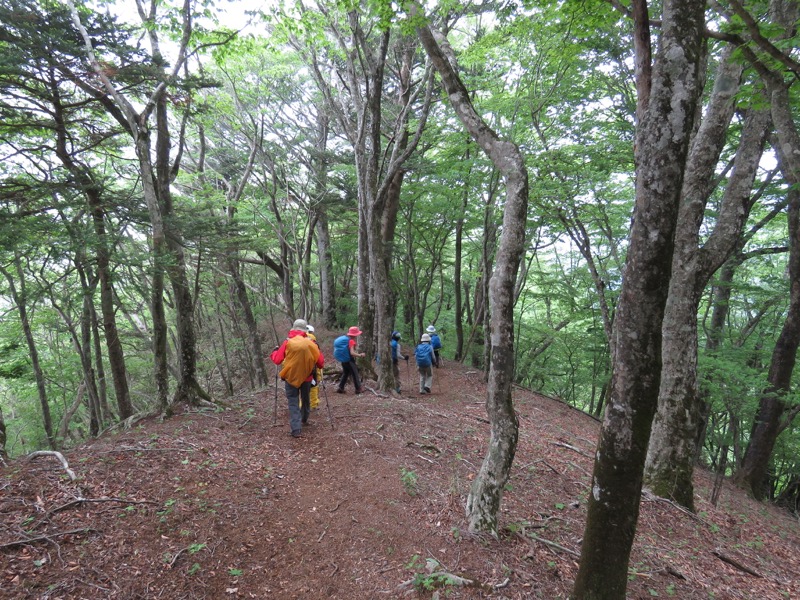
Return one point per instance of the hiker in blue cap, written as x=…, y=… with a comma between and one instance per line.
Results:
x=424, y=355
x=436, y=344
x=396, y=356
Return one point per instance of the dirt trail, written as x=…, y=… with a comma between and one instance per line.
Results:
x=227, y=505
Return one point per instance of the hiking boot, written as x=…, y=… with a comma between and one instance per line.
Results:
x=427, y=390
x=360, y=390
x=339, y=391
x=397, y=389
x=297, y=434
x=423, y=391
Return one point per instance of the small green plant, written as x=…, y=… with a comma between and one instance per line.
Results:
x=426, y=582
x=195, y=548
x=235, y=572
x=560, y=505
x=653, y=592
x=671, y=589
x=409, y=479
x=194, y=568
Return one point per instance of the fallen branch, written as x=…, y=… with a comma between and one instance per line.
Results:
x=735, y=563
x=53, y=511
x=45, y=537
x=175, y=558
x=571, y=447
x=553, y=545
x=60, y=458
x=650, y=497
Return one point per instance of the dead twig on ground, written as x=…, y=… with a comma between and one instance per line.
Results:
x=734, y=563
x=554, y=545
x=47, y=537
x=648, y=496
x=60, y=458
x=571, y=447
x=79, y=501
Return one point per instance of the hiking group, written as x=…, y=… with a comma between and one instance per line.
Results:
x=302, y=363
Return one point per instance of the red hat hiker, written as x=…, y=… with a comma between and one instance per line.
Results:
x=354, y=331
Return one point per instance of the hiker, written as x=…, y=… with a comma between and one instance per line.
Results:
x=343, y=351
x=317, y=380
x=396, y=356
x=300, y=358
x=436, y=344
x=424, y=355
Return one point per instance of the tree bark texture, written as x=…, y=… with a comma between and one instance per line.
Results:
x=662, y=142
x=484, y=499
x=671, y=454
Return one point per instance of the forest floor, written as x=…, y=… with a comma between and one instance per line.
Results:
x=225, y=504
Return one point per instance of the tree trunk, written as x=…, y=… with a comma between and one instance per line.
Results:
x=94, y=200
x=483, y=502
x=243, y=300
x=21, y=302
x=671, y=454
x=667, y=105
x=752, y=474
x=3, y=453
x=457, y=260
x=767, y=425
x=326, y=280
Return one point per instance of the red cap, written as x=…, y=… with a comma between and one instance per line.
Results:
x=354, y=331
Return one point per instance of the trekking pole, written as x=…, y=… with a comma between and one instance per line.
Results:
x=327, y=404
x=275, y=408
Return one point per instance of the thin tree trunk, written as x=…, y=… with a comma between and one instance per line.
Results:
x=753, y=472
x=326, y=279
x=483, y=502
x=92, y=193
x=458, y=251
x=20, y=300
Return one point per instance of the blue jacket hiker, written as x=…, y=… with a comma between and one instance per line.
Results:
x=343, y=351
x=396, y=356
x=436, y=344
x=424, y=356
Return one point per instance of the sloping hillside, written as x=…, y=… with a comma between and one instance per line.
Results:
x=227, y=505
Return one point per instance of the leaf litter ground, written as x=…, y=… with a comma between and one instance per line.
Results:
x=227, y=505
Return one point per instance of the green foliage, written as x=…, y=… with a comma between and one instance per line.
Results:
x=409, y=480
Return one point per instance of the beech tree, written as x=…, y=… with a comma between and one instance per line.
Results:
x=483, y=502
x=668, y=91
x=672, y=450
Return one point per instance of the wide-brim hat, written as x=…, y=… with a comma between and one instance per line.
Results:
x=300, y=325
x=425, y=338
x=310, y=328
x=354, y=331
x=431, y=329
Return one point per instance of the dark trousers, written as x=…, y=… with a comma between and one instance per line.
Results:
x=349, y=369
x=297, y=414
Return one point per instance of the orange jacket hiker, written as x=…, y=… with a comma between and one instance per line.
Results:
x=300, y=357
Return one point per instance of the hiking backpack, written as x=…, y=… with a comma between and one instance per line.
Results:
x=341, y=348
